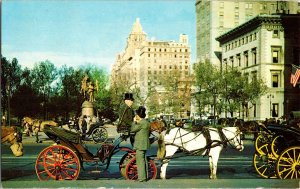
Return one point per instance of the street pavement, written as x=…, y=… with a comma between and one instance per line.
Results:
x=183, y=173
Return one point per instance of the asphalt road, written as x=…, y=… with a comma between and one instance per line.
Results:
x=234, y=171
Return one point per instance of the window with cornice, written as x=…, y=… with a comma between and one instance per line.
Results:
x=246, y=59
x=238, y=58
x=231, y=61
x=254, y=59
x=275, y=34
x=276, y=54
x=275, y=79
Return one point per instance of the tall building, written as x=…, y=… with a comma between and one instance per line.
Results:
x=215, y=17
x=265, y=47
x=144, y=61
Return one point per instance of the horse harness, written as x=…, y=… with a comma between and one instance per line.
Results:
x=209, y=143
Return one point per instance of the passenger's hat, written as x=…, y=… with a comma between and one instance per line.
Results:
x=128, y=96
x=141, y=112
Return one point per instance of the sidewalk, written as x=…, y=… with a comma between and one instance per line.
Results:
x=111, y=130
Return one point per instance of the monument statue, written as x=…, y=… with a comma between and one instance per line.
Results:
x=88, y=89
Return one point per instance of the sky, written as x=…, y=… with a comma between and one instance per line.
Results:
x=80, y=32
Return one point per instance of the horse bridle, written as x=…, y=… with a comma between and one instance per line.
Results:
x=226, y=140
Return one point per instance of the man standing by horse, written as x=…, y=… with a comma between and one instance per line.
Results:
x=141, y=128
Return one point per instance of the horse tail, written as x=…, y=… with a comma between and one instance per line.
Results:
x=161, y=150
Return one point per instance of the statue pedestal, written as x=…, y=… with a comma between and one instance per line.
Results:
x=87, y=109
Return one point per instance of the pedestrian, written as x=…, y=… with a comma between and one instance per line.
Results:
x=141, y=128
x=126, y=115
x=84, y=126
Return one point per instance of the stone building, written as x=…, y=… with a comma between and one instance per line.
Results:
x=266, y=47
x=215, y=17
x=144, y=61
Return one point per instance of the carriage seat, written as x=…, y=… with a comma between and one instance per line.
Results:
x=56, y=132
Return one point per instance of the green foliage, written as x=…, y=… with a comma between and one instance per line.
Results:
x=227, y=91
x=46, y=91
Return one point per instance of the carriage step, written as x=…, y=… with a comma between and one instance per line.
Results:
x=91, y=160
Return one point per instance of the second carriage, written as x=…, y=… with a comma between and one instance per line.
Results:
x=277, y=152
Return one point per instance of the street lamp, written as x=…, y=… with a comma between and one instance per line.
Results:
x=8, y=101
x=215, y=96
x=270, y=96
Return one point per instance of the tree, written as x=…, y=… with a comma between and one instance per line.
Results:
x=208, y=85
x=176, y=93
x=10, y=81
x=44, y=74
x=229, y=91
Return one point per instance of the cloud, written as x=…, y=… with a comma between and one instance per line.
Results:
x=28, y=59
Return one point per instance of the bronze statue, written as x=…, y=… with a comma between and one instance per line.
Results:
x=88, y=89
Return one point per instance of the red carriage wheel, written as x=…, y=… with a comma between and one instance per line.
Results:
x=58, y=163
x=131, y=169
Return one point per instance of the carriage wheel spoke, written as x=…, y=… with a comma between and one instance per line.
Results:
x=289, y=172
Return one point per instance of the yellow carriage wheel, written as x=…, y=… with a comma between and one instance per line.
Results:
x=260, y=141
x=278, y=145
x=264, y=162
x=288, y=164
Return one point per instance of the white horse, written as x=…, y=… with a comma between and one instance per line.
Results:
x=196, y=143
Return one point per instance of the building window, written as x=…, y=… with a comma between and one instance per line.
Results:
x=221, y=4
x=238, y=57
x=275, y=80
x=231, y=61
x=236, y=6
x=275, y=54
x=275, y=33
x=254, y=76
x=275, y=107
x=246, y=59
x=248, y=6
x=254, y=56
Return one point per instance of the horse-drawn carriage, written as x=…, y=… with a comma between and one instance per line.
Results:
x=63, y=160
x=277, y=152
x=96, y=131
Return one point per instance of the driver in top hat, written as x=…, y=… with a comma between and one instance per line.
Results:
x=126, y=113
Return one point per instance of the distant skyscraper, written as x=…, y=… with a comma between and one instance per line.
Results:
x=144, y=61
x=215, y=17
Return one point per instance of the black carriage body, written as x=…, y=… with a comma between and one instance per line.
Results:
x=94, y=126
x=71, y=140
x=290, y=134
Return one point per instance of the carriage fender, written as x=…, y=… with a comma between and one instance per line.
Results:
x=126, y=149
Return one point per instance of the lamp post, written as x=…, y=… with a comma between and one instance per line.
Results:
x=270, y=96
x=8, y=101
x=215, y=96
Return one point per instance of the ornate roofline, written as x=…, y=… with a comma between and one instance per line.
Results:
x=249, y=26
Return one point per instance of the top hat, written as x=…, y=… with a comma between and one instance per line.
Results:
x=128, y=96
x=141, y=112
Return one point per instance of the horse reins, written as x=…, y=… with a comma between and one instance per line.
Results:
x=224, y=139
